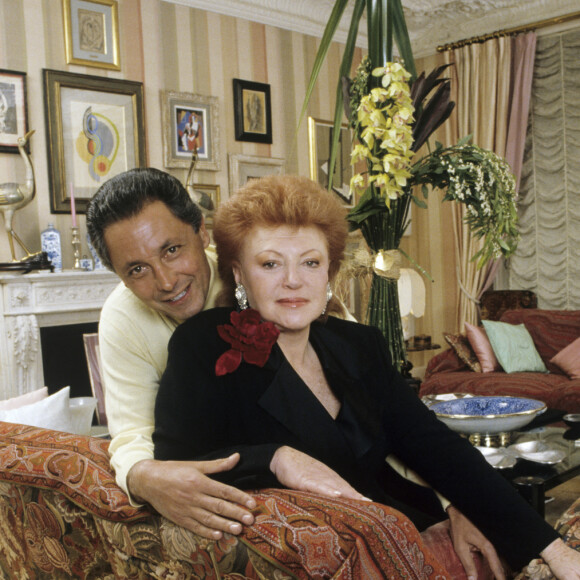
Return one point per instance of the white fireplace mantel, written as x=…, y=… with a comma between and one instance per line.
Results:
x=31, y=301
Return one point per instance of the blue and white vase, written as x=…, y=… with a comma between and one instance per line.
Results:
x=98, y=265
x=50, y=243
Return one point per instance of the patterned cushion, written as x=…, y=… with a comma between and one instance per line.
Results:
x=75, y=465
x=460, y=344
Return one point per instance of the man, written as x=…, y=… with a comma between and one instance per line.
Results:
x=147, y=230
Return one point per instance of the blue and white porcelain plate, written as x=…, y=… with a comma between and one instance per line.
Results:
x=488, y=414
x=487, y=406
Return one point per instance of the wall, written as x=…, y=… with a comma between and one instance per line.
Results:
x=172, y=47
x=166, y=47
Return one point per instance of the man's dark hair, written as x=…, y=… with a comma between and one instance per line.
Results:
x=126, y=195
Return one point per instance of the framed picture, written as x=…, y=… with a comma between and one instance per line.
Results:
x=253, y=111
x=320, y=135
x=91, y=29
x=94, y=131
x=246, y=167
x=13, y=115
x=211, y=191
x=189, y=122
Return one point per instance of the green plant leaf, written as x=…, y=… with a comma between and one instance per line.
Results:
x=402, y=37
x=329, y=32
x=344, y=71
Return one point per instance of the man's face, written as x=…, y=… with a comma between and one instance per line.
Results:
x=161, y=260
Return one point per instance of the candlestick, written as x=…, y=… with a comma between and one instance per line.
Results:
x=73, y=207
x=76, y=244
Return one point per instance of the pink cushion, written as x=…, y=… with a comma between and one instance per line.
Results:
x=481, y=346
x=568, y=359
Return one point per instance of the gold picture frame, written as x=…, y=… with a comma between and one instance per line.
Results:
x=246, y=167
x=94, y=131
x=319, y=140
x=214, y=192
x=91, y=29
x=180, y=111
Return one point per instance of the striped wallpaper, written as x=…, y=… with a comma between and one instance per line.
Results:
x=173, y=47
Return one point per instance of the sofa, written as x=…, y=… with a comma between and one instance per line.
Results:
x=63, y=516
x=551, y=331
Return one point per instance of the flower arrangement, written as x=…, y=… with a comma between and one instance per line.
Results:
x=393, y=112
x=251, y=339
x=485, y=184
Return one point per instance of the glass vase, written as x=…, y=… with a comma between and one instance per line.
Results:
x=383, y=231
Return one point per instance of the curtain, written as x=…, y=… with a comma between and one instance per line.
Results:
x=491, y=89
x=547, y=260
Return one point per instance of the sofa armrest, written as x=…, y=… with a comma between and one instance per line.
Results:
x=76, y=466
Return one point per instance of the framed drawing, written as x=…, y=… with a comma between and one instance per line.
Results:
x=94, y=131
x=246, y=167
x=91, y=29
x=252, y=111
x=13, y=115
x=189, y=122
x=319, y=142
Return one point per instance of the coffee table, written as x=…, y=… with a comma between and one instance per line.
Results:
x=533, y=479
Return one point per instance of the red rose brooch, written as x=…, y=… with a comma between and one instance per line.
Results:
x=251, y=340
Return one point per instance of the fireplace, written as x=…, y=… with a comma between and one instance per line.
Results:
x=33, y=307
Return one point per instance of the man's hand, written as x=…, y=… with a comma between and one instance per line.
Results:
x=563, y=560
x=182, y=492
x=299, y=471
x=466, y=537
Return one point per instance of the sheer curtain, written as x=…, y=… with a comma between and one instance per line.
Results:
x=547, y=260
x=491, y=87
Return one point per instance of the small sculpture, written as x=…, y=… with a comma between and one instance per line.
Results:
x=202, y=199
x=14, y=196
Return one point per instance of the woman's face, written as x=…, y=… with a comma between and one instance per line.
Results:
x=285, y=273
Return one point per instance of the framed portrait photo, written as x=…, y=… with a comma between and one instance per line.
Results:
x=91, y=29
x=95, y=130
x=246, y=167
x=13, y=113
x=320, y=134
x=252, y=111
x=190, y=123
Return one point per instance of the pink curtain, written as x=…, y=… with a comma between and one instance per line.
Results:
x=523, y=54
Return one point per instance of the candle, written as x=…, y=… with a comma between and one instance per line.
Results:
x=73, y=209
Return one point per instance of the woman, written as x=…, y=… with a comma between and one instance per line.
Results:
x=281, y=379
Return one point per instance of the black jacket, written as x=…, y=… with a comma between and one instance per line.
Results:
x=256, y=410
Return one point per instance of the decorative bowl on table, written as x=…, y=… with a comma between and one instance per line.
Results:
x=482, y=417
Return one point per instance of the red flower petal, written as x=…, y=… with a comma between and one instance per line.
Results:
x=228, y=362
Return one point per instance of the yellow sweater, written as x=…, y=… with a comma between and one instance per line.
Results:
x=133, y=342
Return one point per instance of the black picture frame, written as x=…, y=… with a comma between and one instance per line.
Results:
x=252, y=111
x=13, y=110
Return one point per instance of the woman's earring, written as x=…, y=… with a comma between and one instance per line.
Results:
x=241, y=296
x=328, y=297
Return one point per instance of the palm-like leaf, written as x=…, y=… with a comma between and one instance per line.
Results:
x=432, y=114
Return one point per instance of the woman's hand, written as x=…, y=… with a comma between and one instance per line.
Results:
x=563, y=560
x=299, y=471
x=466, y=537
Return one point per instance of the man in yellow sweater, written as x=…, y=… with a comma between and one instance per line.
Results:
x=147, y=230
